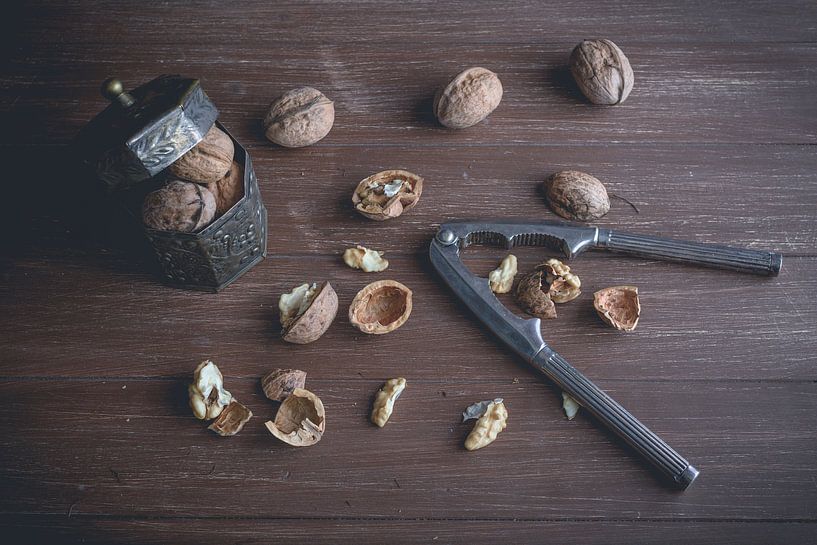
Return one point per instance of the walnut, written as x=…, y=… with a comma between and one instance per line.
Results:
x=229, y=189
x=278, y=384
x=618, y=306
x=387, y=194
x=365, y=259
x=602, y=71
x=576, y=195
x=301, y=419
x=468, y=99
x=299, y=118
x=231, y=420
x=307, y=312
x=179, y=206
x=380, y=307
x=534, y=300
x=208, y=161
x=207, y=394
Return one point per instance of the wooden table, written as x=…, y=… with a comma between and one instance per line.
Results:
x=715, y=144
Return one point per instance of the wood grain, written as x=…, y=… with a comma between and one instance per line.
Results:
x=715, y=144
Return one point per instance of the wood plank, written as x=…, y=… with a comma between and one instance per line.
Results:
x=771, y=203
x=311, y=23
x=104, y=530
x=382, y=93
x=94, y=316
x=131, y=448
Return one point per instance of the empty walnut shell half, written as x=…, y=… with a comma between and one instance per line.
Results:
x=208, y=161
x=576, y=195
x=231, y=420
x=301, y=419
x=381, y=307
x=387, y=194
x=533, y=298
x=278, y=384
x=618, y=306
x=307, y=312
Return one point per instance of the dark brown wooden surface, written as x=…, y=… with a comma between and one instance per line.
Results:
x=716, y=143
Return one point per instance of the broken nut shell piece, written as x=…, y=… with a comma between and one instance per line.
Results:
x=488, y=426
x=278, y=384
x=301, y=419
x=384, y=402
x=231, y=420
x=501, y=279
x=365, y=259
x=207, y=394
x=387, y=194
x=533, y=299
x=381, y=307
x=618, y=306
x=307, y=312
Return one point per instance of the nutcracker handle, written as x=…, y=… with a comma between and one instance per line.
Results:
x=615, y=417
x=710, y=255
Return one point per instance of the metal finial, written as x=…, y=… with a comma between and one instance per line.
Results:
x=113, y=90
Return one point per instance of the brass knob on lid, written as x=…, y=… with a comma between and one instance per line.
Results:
x=113, y=90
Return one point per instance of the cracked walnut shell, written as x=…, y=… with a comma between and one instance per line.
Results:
x=208, y=161
x=602, y=72
x=468, y=99
x=301, y=419
x=179, y=206
x=387, y=194
x=380, y=307
x=299, y=118
x=307, y=312
x=278, y=384
x=533, y=299
x=575, y=195
x=618, y=306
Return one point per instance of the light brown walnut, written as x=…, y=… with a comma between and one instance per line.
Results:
x=208, y=161
x=299, y=118
x=468, y=99
x=602, y=72
x=179, y=206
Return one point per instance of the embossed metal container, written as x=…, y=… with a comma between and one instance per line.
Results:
x=131, y=143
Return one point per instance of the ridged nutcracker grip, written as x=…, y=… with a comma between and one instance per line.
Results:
x=616, y=418
x=711, y=255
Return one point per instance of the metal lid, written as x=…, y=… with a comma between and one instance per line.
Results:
x=144, y=131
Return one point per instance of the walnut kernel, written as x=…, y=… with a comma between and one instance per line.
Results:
x=563, y=284
x=488, y=426
x=384, y=402
x=207, y=394
x=365, y=259
x=501, y=279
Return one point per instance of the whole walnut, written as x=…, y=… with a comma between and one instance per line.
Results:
x=468, y=99
x=229, y=189
x=602, y=71
x=576, y=195
x=179, y=206
x=208, y=161
x=299, y=118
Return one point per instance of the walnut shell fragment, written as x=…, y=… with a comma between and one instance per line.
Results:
x=381, y=307
x=387, y=194
x=365, y=259
x=618, y=306
x=208, y=161
x=179, y=206
x=307, y=312
x=207, y=394
x=301, y=419
x=299, y=118
x=231, y=420
x=533, y=299
x=576, y=195
x=278, y=384
x=229, y=189
x=602, y=72
x=468, y=99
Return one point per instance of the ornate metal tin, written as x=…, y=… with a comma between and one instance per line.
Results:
x=142, y=133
